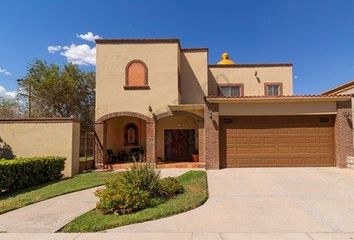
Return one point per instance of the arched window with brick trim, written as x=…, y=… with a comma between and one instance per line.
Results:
x=136, y=75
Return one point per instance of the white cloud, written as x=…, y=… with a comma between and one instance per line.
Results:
x=296, y=77
x=5, y=93
x=88, y=36
x=80, y=54
x=4, y=71
x=54, y=49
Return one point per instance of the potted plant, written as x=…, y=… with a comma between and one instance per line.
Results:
x=195, y=155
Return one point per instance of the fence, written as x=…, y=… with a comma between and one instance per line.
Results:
x=86, y=150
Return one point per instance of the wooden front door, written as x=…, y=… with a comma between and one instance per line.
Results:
x=179, y=144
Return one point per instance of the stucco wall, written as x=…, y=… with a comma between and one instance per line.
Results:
x=115, y=133
x=194, y=76
x=253, y=85
x=162, y=63
x=264, y=109
x=29, y=139
x=174, y=122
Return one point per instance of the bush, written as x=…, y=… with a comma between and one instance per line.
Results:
x=169, y=187
x=27, y=172
x=136, y=189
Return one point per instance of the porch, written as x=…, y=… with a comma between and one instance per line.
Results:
x=171, y=140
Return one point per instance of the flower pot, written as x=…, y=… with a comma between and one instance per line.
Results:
x=195, y=157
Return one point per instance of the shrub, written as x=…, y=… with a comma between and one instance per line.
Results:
x=136, y=189
x=169, y=187
x=26, y=172
x=119, y=198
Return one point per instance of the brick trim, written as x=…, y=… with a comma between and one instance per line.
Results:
x=266, y=84
x=146, y=83
x=250, y=65
x=343, y=134
x=241, y=85
x=38, y=120
x=123, y=114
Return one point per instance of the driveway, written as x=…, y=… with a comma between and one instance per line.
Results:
x=267, y=200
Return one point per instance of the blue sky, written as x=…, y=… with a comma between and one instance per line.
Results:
x=317, y=36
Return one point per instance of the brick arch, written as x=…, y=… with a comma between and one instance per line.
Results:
x=178, y=113
x=123, y=114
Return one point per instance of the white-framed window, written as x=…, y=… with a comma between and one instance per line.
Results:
x=231, y=90
x=273, y=89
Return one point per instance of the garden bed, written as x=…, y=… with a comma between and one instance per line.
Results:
x=196, y=193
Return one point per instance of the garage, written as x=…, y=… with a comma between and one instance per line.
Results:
x=277, y=141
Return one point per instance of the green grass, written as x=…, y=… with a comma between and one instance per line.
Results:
x=24, y=197
x=195, y=184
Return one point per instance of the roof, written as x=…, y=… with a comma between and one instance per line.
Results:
x=340, y=87
x=288, y=98
x=250, y=65
x=138, y=40
x=38, y=120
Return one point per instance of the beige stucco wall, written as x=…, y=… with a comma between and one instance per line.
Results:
x=253, y=85
x=28, y=139
x=174, y=122
x=162, y=63
x=194, y=76
x=270, y=109
x=115, y=133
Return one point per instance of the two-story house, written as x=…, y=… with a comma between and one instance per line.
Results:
x=168, y=104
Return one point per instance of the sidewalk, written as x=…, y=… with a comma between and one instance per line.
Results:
x=177, y=236
x=50, y=215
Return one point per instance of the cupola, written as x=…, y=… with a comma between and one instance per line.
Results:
x=225, y=59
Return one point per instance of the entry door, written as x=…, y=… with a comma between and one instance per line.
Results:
x=179, y=144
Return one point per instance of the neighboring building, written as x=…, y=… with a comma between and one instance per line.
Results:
x=154, y=95
x=347, y=88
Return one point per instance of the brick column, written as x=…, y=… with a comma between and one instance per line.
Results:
x=343, y=134
x=150, y=141
x=201, y=141
x=211, y=126
x=100, y=145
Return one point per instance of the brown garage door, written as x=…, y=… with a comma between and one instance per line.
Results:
x=277, y=141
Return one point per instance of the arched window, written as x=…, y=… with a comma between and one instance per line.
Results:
x=136, y=75
x=131, y=135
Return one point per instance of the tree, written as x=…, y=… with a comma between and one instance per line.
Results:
x=10, y=107
x=55, y=91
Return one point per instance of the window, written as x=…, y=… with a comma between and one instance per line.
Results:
x=136, y=75
x=231, y=90
x=273, y=89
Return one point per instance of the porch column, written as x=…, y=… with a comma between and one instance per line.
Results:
x=343, y=133
x=211, y=126
x=201, y=141
x=150, y=141
x=100, y=144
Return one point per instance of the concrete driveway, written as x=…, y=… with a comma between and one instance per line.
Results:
x=267, y=200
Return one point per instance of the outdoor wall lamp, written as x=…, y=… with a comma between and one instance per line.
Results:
x=346, y=114
x=210, y=114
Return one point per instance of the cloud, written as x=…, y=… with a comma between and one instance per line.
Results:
x=88, y=36
x=296, y=77
x=5, y=93
x=80, y=54
x=4, y=71
x=54, y=49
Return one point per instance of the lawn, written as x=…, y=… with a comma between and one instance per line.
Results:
x=21, y=198
x=195, y=184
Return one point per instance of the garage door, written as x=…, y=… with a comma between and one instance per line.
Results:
x=281, y=141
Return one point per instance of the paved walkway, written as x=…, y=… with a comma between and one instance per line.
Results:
x=52, y=214
x=267, y=200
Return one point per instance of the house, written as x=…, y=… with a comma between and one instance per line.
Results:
x=168, y=103
x=347, y=88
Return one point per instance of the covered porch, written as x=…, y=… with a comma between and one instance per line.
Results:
x=174, y=139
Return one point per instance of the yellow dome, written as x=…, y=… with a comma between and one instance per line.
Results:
x=225, y=59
